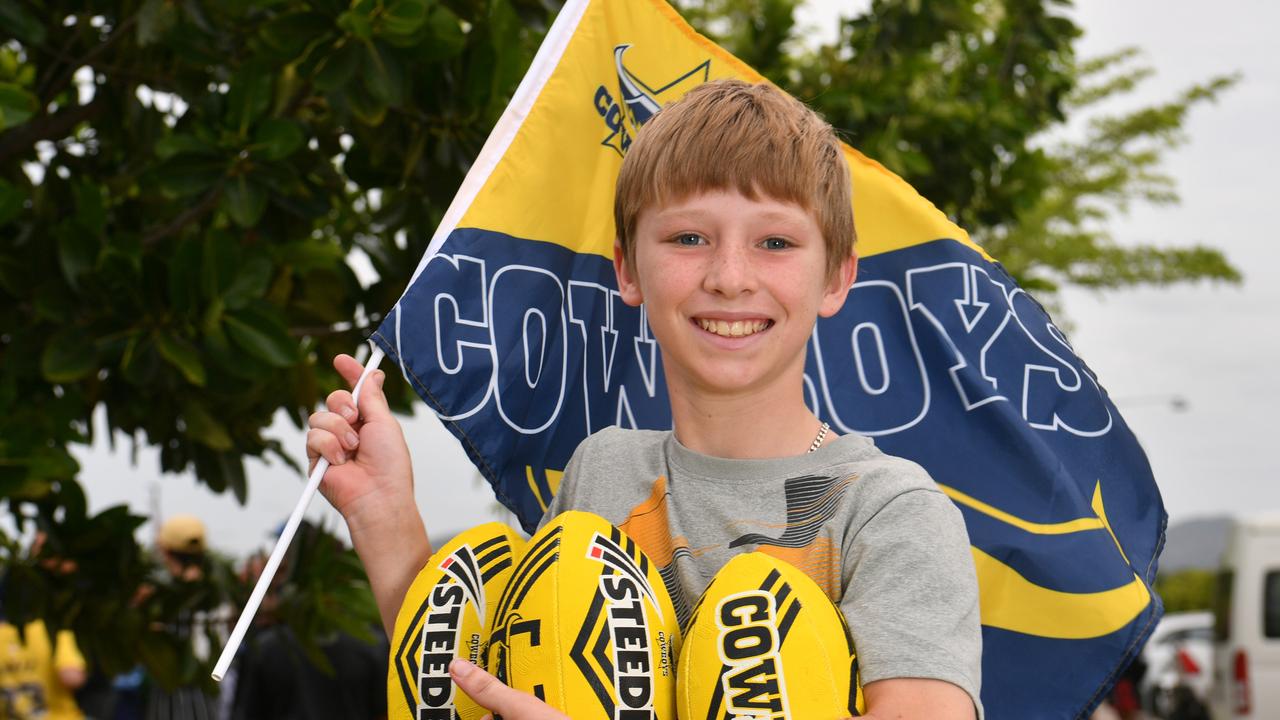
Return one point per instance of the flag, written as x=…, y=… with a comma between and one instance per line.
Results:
x=513, y=332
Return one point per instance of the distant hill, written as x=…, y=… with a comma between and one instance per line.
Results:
x=1195, y=544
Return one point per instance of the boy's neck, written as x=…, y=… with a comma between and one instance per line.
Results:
x=750, y=426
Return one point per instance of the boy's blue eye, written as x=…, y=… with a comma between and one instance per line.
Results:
x=689, y=239
x=776, y=243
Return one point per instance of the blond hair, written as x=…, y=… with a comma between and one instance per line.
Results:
x=755, y=139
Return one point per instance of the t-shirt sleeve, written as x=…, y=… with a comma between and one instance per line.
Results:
x=911, y=593
x=563, y=499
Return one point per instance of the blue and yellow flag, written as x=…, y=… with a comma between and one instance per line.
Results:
x=513, y=332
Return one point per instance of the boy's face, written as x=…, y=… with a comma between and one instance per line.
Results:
x=732, y=287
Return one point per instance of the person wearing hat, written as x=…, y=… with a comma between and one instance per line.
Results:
x=183, y=552
x=182, y=545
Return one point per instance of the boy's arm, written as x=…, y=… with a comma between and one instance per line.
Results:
x=917, y=699
x=370, y=482
x=911, y=601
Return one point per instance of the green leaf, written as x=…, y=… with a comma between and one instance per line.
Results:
x=383, y=75
x=231, y=360
x=338, y=66
x=404, y=17
x=290, y=34
x=250, y=283
x=14, y=277
x=77, y=251
x=16, y=105
x=181, y=144
x=12, y=200
x=445, y=36
x=155, y=18
x=187, y=175
x=279, y=138
x=91, y=211
x=262, y=337
x=244, y=200
x=356, y=23
x=69, y=356
x=368, y=109
x=204, y=428
x=141, y=363
x=184, y=275
x=250, y=96
x=221, y=258
x=183, y=356
x=15, y=20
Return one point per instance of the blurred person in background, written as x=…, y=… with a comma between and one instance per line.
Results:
x=275, y=678
x=39, y=672
x=180, y=579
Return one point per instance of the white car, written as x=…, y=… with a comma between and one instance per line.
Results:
x=1247, y=671
x=1179, y=657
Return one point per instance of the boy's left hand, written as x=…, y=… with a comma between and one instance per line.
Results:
x=491, y=694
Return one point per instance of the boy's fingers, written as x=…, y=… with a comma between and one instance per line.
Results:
x=491, y=694
x=373, y=404
x=341, y=403
x=340, y=428
x=348, y=367
x=322, y=443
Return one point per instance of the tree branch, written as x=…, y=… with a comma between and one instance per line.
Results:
x=46, y=127
x=186, y=217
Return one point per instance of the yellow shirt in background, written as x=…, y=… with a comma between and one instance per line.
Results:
x=29, y=685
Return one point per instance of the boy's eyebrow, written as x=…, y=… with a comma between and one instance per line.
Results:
x=676, y=214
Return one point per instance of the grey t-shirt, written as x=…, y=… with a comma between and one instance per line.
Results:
x=873, y=530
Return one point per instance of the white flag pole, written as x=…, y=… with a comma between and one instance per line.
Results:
x=286, y=537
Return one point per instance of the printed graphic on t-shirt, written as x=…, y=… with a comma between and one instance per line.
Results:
x=811, y=501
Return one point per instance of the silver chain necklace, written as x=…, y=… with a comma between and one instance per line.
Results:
x=822, y=435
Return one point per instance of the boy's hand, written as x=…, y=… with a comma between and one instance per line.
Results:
x=369, y=461
x=491, y=694
x=370, y=481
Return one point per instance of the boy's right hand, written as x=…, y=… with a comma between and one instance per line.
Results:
x=370, y=481
x=369, y=466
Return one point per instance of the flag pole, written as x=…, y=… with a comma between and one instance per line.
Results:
x=286, y=537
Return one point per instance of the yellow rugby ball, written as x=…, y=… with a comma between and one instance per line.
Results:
x=586, y=624
x=764, y=641
x=447, y=613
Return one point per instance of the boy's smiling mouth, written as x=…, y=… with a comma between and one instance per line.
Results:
x=733, y=328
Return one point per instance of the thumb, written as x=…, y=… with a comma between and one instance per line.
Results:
x=372, y=401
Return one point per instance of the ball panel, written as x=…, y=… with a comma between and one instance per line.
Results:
x=446, y=613
x=765, y=642
x=587, y=625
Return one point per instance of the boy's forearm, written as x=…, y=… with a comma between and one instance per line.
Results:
x=392, y=545
x=917, y=699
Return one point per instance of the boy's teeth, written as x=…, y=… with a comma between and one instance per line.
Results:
x=737, y=328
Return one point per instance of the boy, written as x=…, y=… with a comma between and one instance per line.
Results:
x=735, y=230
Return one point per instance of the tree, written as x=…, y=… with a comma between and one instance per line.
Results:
x=187, y=187
x=1187, y=590
x=180, y=187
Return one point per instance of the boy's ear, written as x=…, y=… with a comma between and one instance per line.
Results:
x=628, y=283
x=838, y=289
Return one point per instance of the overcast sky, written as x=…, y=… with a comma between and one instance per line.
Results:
x=1216, y=347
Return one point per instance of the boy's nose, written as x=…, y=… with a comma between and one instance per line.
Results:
x=730, y=272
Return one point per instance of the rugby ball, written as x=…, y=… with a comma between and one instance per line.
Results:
x=447, y=613
x=764, y=641
x=586, y=625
